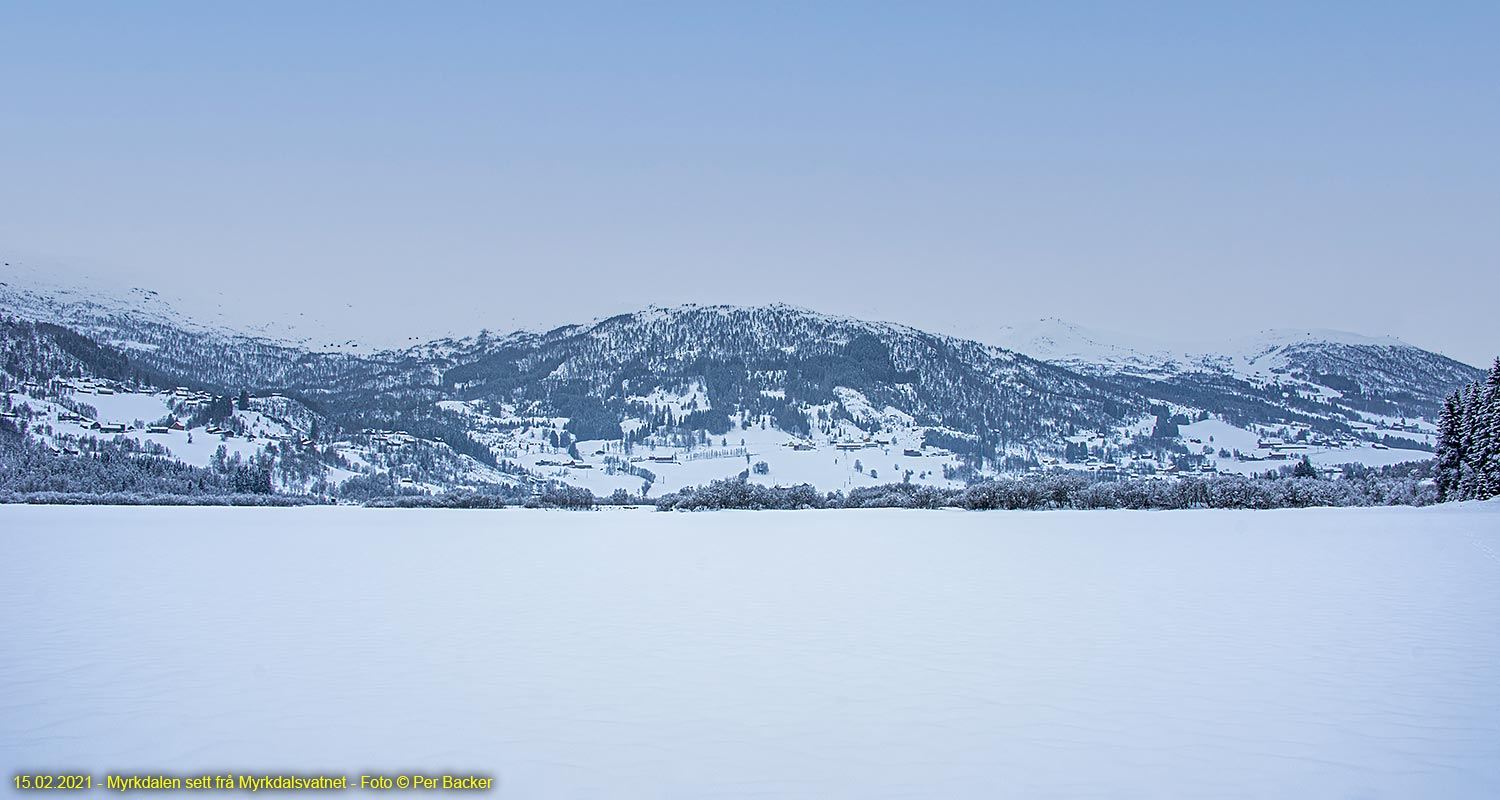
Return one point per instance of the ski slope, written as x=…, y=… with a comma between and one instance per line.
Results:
x=1347, y=653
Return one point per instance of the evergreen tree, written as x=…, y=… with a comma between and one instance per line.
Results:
x=1165, y=427
x=1487, y=434
x=1450, y=446
x=220, y=409
x=1468, y=446
x=1469, y=477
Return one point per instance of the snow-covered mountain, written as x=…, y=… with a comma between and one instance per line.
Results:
x=1090, y=350
x=1085, y=349
x=1363, y=373
x=101, y=302
x=667, y=397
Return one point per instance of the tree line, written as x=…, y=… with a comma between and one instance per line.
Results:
x=1402, y=484
x=1468, y=446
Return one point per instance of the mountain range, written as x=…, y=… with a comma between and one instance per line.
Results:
x=669, y=396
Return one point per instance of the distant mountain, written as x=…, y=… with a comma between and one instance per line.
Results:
x=784, y=361
x=1086, y=350
x=683, y=383
x=1349, y=371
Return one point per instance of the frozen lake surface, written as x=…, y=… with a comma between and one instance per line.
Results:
x=848, y=654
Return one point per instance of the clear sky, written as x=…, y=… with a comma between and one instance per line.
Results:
x=1160, y=169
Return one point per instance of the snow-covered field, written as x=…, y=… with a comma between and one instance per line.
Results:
x=1351, y=653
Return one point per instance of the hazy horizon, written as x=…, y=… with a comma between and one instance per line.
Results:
x=291, y=324
x=1174, y=173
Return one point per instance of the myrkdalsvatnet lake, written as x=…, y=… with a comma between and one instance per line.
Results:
x=847, y=654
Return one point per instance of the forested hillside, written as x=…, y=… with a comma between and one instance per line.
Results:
x=668, y=398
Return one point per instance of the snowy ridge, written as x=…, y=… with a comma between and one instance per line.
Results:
x=46, y=290
x=1062, y=342
x=1285, y=336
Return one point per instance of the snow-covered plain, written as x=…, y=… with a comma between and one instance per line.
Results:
x=1351, y=653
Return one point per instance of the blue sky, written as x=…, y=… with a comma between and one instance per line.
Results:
x=1144, y=167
